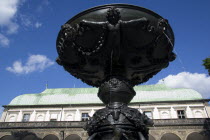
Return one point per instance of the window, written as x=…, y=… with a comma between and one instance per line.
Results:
x=53, y=120
x=40, y=118
x=69, y=117
x=165, y=115
x=181, y=114
x=12, y=118
x=53, y=117
x=148, y=113
x=198, y=114
x=85, y=116
x=26, y=117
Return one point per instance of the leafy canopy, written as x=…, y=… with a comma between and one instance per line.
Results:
x=206, y=64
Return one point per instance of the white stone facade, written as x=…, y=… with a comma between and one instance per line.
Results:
x=71, y=113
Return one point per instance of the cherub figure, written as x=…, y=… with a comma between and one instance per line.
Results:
x=114, y=28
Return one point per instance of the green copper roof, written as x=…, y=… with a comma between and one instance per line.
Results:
x=144, y=93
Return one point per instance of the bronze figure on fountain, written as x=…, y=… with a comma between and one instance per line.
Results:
x=115, y=47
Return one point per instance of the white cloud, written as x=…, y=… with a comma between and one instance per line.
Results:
x=34, y=63
x=12, y=28
x=26, y=20
x=43, y=5
x=196, y=81
x=38, y=24
x=4, y=41
x=8, y=9
x=11, y=19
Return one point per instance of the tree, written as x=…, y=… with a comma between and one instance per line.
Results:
x=206, y=64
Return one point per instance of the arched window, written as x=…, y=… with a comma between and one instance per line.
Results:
x=7, y=138
x=12, y=118
x=69, y=117
x=170, y=136
x=198, y=114
x=198, y=136
x=40, y=118
x=73, y=137
x=50, y=137
x=165, y=115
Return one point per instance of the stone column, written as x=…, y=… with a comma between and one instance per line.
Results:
x=189, y=113
x=156, y=113
x=62, y=115
x=47, y=116
x=206, y=110
x=59, y=116
x=3, y=116
x=77, y=115
x=91, y=113
x=20, y=116
x=33, y=116
x=173, y=113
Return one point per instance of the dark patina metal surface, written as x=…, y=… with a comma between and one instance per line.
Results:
x=115, y=40
x=115, y=47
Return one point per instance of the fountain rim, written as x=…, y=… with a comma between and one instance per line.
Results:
x=74, y=21
x=118, y=5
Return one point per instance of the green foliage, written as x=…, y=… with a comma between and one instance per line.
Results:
x=206, y=64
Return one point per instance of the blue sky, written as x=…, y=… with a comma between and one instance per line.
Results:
x=29, y=28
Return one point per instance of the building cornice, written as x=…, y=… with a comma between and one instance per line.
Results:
x=99, y=104
x=79, y=124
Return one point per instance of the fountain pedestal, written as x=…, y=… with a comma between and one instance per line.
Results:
x=117, y=120
x=115, y=47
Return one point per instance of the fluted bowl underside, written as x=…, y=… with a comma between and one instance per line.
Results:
x=116, y=40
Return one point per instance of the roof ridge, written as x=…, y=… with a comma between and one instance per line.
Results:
x=145, y=93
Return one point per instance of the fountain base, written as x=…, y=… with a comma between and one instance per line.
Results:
x=117, y=121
